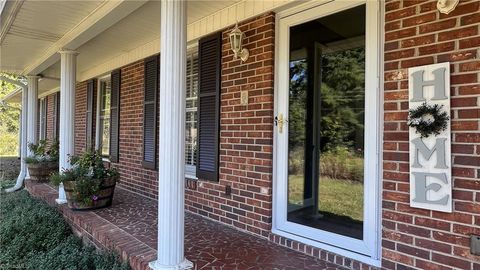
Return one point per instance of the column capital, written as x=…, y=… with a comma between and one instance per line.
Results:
x=32, y=77
x=67, y=51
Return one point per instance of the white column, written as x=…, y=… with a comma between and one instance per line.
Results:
x=171, y=176
x=32, y=107
x=68, y=71
x=23, y=143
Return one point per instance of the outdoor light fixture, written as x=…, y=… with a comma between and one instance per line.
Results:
x=446, y=6
x=236, y=39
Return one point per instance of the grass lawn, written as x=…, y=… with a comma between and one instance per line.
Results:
x=339, y=197
x=33, y=235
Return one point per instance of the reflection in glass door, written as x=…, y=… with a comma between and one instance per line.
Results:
x=326, y=123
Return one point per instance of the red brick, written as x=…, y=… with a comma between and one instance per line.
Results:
x=469, y=90
x=430, y=265
x=437, y=26
x=437, y=48
x=457, y=56
x=469, y=113
x=417, y=62
x=470, y=66
x=424, y=18
x=452, y=261
x=402, y=33
x=469, y=43
x=458, y=33
x=399, y=14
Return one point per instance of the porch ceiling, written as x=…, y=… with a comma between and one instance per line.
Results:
x=33, y=31
x=29, y=28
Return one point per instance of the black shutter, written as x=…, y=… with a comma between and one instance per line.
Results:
x=151, y=82
x=89, y=114
x=209, y=106
x=115, y=115
x=57, y=115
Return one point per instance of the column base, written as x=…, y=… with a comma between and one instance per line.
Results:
x=186, y=264
x=60, y=201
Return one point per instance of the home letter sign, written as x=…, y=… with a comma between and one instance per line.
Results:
x=430, y=157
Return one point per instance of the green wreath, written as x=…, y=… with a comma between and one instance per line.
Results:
x=426, y=127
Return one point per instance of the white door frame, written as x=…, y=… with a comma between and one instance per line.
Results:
x=368, y=249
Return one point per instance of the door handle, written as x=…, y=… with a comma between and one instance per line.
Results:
x=280, y=121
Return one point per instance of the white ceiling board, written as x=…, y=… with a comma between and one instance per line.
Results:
x=140, y=27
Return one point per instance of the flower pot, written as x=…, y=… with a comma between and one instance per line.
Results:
x=104, y=196
x=41, y=171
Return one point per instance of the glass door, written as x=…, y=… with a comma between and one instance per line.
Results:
x=326, y=88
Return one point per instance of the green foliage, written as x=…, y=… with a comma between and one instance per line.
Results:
x=338, y=163
x=341, y=103
x=5, y=183
x=72, y=255
x=9, y=124
x=88, y=172
x=34, y=236
x=428, y=119
x=68, y=175
x=343, y=99
x=8, y=141
x=43, y=151
x=28, y=226
x=342, y=163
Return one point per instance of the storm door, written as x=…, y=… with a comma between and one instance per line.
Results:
x=326, y=124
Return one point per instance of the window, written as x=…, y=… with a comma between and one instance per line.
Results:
x=43, y=119
x=191, y=117
x=56, y=115
x=104, y=117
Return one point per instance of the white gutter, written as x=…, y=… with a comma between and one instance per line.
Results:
x=23, y=137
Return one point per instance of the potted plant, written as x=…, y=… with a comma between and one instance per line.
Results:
x=88, y=183
x=43, y=161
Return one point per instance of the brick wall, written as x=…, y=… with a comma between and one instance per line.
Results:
x=417, y=34
x=51, y=116
x=245, y=136
x=80, y=117
x=132, y=175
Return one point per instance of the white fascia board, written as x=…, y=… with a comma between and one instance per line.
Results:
x=104, y=16
x=49, y=92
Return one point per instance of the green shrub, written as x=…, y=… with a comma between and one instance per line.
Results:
x=27, y=226
x=34, y=235
x=342, y=163
x=71, y=254
x=89, y=174
x=43, y=151
x=338, y=163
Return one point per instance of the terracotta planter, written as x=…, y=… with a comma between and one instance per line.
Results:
x=105, y=195
x=41, y=171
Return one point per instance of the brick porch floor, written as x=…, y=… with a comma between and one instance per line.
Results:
x=130, y=227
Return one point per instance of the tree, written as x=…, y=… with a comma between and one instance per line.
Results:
x=9, y=119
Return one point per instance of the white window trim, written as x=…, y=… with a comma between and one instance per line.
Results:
x=42, y=132
x=98, y=139
x=191, y=170
x=371, y=247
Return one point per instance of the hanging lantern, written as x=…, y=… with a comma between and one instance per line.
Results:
x=236, y=41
